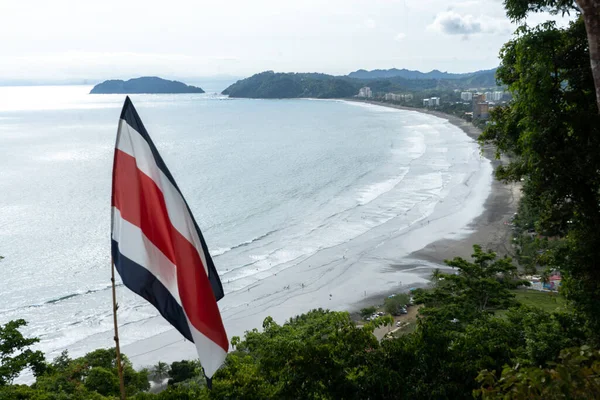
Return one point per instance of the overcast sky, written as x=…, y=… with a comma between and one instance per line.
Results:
x=64, y=39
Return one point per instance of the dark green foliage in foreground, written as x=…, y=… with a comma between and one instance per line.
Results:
x=184, y=370
x=15, y=354
x=552, y=128
x=575, y=376
x=324, y=355
x=89, y=377
x=477, y=287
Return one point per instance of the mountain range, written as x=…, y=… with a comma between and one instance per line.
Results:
x=271, y=84
x=412, y=74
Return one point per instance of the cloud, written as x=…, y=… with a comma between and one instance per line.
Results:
x=370, y=23
x=400, y=36
x=452, y=23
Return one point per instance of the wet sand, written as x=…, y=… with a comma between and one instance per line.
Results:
x=491, y=229
x=364, y=270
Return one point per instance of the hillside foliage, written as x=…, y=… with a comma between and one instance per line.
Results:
x=271, y=85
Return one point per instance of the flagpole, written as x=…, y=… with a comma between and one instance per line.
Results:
x=117, y=347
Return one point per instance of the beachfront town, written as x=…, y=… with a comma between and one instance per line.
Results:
x=471, y=104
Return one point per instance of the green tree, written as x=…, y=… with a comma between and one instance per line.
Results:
x=15, y=352
x=159, y=372
x=589, y=10
x=183, y=370
x=394, y=304
x=474, y=288
x=575, y=376
x=367, y=312
x=103, y=381
x=320, y=354
x=70, y=377
x=552, y=129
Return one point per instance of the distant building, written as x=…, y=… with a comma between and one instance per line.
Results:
x=481, y=108
x=398, y=97
x=466, y=96
x=431, y=102
x=365, y=92
x=489, y=96
x=498, y=96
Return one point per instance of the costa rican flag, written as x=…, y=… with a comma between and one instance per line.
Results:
x=157, y=246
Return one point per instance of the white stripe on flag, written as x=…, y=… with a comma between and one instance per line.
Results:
x=132, y=143
x=134, y=245
x=211, y=354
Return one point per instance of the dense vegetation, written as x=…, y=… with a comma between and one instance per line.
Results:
x=325, y=355
x=148, y=84
x=269, y=85
x=474, y=337
x=553, y=129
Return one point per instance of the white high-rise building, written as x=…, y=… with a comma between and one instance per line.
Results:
x=398, y=97
x=431, y=102
x=365, y=92
x=466, y=96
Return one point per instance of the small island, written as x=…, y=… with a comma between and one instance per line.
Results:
x=146, y=85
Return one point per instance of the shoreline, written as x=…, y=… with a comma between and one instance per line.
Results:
x=341, y=277
x=490, y=229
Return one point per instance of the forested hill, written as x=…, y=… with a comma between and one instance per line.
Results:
x=272, y=85
x=484, y=75
x=148, y=84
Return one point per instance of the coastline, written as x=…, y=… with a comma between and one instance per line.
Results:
x=343, y=277
x=490, y=229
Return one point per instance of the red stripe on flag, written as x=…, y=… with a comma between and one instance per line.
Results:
x=141, y=202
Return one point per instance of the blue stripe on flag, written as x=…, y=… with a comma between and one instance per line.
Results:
x=130, y=115
x=143, y=283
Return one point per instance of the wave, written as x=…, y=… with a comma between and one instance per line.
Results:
x=59, y=299
x=219, y=251
x=375, y=190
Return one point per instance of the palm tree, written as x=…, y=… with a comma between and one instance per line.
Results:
x=545, y=277
x=159, y=372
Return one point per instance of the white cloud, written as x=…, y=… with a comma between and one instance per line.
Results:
x=453, y=23
x=400, y=36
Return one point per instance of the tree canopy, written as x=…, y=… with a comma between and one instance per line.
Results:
x=552, y=130
x=15, y=352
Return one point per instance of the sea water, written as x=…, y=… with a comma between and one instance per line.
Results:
x=272, y=184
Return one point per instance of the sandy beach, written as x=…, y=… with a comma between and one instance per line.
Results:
x=362, y=271
x=490, y=229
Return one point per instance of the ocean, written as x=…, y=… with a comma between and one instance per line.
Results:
x=303, y=204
